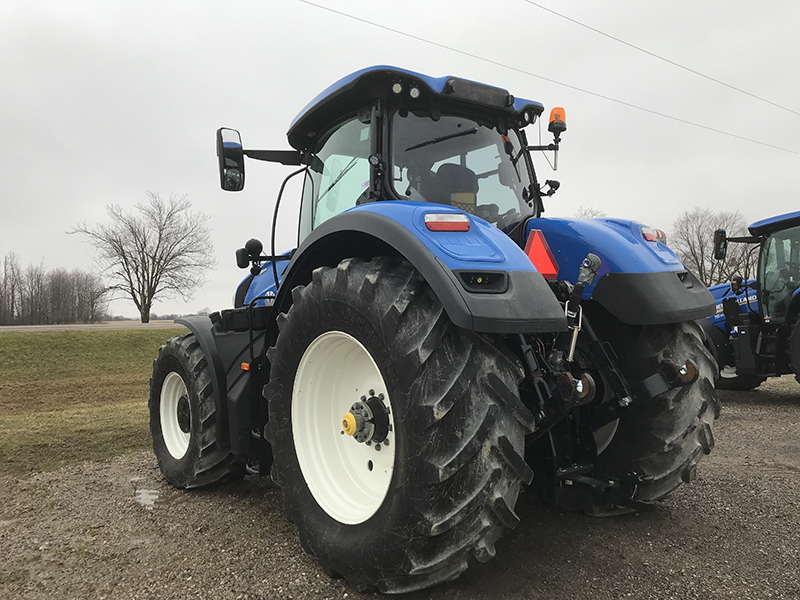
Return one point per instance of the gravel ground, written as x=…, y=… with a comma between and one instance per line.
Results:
x=115, y=530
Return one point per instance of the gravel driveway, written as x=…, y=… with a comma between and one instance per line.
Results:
x=116, y=530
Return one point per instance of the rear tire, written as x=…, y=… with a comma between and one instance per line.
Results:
x=183, y=418
x=662, y=438
x=444, y=488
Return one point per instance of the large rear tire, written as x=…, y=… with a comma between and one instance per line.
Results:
x=661, y=438
x=408, y=512
x=656, y=443
x=183, y=418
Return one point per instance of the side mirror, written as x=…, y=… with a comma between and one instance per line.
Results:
x=231, y=160
x=720, y=244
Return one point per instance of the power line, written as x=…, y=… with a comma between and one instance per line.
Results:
x=666, y=60
x=531, y=74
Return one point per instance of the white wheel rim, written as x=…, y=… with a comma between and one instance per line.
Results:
x=176, y=440
x=348, y=479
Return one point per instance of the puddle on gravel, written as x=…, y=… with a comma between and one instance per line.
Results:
x=147, y=498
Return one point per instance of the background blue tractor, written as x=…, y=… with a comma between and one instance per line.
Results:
x=755, y=330
x=432, y=345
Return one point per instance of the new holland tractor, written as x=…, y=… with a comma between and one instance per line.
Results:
x=756, y=327
x=432, y=346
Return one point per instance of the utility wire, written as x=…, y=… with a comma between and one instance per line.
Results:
x=666, y=60
x=566, y=85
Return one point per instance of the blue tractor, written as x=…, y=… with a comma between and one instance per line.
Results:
x=432, y=346
x=755, y=330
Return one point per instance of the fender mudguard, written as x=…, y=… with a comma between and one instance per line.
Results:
x=518, y=300
x=639, y=282
x=225, y=342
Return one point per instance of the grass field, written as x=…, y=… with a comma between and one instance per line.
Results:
x=71, y=396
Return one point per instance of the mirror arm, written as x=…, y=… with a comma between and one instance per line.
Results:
x=285, y=157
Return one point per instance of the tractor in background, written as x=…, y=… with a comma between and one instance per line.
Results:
x=755, y=330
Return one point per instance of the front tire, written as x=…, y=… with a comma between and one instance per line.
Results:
x=183, y=418
x=410, y=514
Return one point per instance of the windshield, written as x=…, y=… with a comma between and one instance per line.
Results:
x=338, y=175
x=779, y=272
x=462, y=163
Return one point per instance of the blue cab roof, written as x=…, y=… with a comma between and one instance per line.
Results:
x=766, y=226
x=353, y=91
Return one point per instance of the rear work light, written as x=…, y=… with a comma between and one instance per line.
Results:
x=447, y=222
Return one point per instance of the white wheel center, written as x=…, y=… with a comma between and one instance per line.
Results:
x=348, y=479
x=175, y=439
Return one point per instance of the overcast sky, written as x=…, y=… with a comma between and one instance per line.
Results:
x=102, y=101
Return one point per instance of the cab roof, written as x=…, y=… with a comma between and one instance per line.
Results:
x=767, y=226
x=359, y=89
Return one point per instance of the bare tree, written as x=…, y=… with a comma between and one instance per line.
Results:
x=10, y=283
x=589, y=213
x=91, y=303
x=693, y=242
x=161, y=250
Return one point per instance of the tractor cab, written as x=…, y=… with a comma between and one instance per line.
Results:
x=388, y=134
x=755, y=340
x=779, y=273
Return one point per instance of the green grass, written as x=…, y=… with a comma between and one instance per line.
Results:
x=71, y=396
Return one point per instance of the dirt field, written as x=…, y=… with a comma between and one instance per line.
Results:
x=114, y=529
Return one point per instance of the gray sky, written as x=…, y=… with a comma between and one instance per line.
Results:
x=102, y=101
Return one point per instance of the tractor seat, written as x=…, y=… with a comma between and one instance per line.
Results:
x=454, y=185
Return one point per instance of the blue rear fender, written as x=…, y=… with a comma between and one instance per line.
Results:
x=640, y=282
x=516, y=298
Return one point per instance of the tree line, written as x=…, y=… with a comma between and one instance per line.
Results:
x=35, y=295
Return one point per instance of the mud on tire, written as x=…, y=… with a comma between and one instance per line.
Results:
x=183, y=418
x=456, y=437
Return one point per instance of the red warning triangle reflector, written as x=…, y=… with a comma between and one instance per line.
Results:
x=539, y=252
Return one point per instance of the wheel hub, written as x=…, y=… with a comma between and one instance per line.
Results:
x=184, y=414
x=367, y=420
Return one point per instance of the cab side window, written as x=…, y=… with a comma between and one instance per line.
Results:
x=338, y=175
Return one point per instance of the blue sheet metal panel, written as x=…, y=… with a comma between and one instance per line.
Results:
x=482, y=247
x=619, y=244
x=722, y=291
x=765, y=226
x=264, y=283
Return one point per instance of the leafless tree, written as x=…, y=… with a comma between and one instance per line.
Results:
x=36, y=296
x=693, y=242
x=589, y=213
x=160, y=250
x=10, y=283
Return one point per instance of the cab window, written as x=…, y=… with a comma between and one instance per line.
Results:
x=338, y=175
